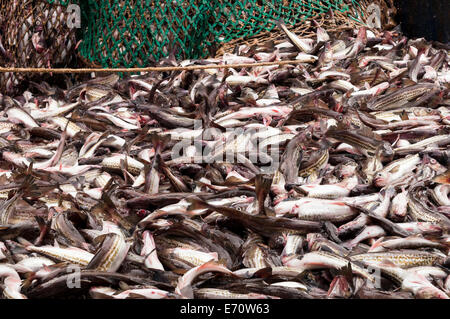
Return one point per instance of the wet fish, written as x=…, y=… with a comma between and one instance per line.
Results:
x=274, y=181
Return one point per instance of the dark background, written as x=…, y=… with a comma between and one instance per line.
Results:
x=425, y=18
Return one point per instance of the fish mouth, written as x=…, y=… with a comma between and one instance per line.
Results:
x=379, y=181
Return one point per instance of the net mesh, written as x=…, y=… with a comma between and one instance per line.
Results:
x=137, y=33
x=34, y=33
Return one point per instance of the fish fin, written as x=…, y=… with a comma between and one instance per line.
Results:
x=280, y=24
x=179, y=271
x=387, y=262
x=99, y=239
x=123, y=285
x=263, y=273
x=196, y=203
x=404, y=116
x=269, y=212
x=262, y=189
x=29, y=277
x=133, y=295
x=220, y=127
x=376, y=244
x=347, y=272
x=443, y=178
x=159, y=141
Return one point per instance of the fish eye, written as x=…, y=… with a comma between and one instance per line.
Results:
x=433, y=161
x=340, y=118
x=429, y=110
x=239, y=208
x=243, y=196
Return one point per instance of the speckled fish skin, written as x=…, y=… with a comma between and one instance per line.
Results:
x=322, y=259
x=400, y=97
x=72, y=255
x=402, y=259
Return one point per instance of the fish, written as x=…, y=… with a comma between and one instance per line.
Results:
x=402, y=258
x=149, y=252
x=413, y=282
x=321, y=259
x=317, y=209
x=321, y=179
x=301, y=44
x=12, y=283
x=333, y=191
x=366, y=144
x=399, y=98
x=70, y=254
x=133, y=166
x=17, y=115
x=366, y=233
x=435, y=140
x=138, y=293
x=184, y=287
x=264, y=225
x=396, y=170
x=411, y=242
x=419, y=212
x=110, y=254
x=399, y=205
x=214, y=293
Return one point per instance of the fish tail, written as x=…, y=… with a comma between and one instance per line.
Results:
x=196, y=203
x=280, y=24
x=25, y=243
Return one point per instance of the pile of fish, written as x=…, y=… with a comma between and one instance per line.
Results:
x=337, y=187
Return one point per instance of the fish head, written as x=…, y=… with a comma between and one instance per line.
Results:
x=339, y=288
x=433, y=164
x=142, y=213
x=362, y=36
x=277, y=241
x=347, y=170
x=429, y=228
x=421, y=287
x=291, y=261
x=381, y=179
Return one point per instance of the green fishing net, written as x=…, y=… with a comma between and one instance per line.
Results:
x=136, y=33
